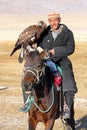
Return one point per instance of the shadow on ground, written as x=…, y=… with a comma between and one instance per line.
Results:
x=81, y=124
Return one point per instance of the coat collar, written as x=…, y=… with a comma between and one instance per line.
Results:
x=62, y=28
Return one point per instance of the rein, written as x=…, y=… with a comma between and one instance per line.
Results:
x=45, y=111
x=31, y=100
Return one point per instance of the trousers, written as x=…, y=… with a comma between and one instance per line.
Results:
x=52, y=67
x=69, y=97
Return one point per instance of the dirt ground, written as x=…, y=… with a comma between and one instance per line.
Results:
x=11, y=97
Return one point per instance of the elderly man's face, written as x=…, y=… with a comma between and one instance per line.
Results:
x=54, y=23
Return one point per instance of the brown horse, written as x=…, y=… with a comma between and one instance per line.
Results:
x=37, y=79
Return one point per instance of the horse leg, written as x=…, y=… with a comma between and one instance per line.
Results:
x=49, y=124
x=31, y=124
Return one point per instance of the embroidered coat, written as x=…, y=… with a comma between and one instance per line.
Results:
x=64, y=46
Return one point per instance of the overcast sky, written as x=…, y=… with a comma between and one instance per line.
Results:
x=15, y=15
x=42, y=6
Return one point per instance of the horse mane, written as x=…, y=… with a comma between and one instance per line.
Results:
x=48, y=72
x=45, y=84
x=49, y=76
x=32, y=54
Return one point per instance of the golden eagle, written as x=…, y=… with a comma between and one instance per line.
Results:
x=28, y=38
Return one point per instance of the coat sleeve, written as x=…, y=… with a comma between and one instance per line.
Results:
x=65, y=50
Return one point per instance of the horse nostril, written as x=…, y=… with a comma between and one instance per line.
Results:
x=28, y=86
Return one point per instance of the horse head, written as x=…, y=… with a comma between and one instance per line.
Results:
x=34, y=69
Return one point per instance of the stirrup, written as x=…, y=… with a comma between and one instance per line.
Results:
x=66, y=114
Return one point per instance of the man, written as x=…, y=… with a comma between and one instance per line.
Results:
x=59, y=41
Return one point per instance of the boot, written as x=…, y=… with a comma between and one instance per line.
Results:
x=66, y=110
x=66, y=113
x=27, y=104
x=25, y=97
x=68, y=101
x=23, y=109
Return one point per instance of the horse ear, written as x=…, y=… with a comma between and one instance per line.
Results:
x=20, y=59
x=43, y=54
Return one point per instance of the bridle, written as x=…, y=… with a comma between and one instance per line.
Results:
x=38, y=73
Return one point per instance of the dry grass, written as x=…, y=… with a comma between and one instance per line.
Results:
x=11, y=98
x=11, y=70
x=79, y=60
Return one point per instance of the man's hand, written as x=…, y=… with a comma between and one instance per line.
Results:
x=52, y=51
